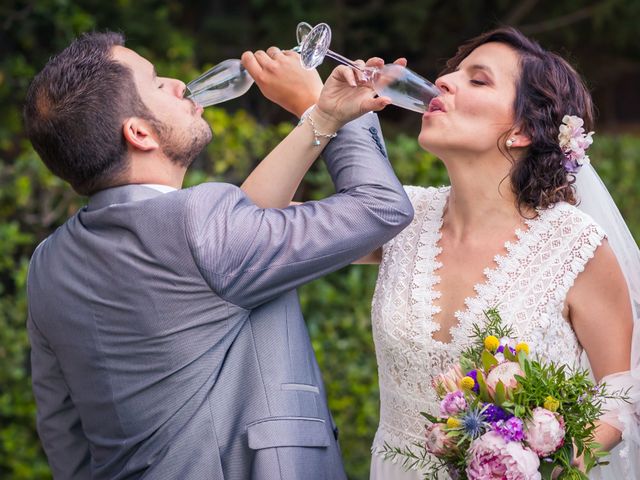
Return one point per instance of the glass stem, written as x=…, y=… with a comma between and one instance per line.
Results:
x=367, y=73
x=344, y=60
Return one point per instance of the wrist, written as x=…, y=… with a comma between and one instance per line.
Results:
x=303, y=106
x=325, y=121
x=318, y=125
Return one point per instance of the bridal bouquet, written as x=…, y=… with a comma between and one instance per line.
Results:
x=504, y=415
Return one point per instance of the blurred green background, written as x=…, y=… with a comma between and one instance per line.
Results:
x=185, y=37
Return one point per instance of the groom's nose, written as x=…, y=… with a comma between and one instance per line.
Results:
x=177, y=87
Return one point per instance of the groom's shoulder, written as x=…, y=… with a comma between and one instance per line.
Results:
x=211, y=192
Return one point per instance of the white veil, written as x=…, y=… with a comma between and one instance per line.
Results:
x=596, y=201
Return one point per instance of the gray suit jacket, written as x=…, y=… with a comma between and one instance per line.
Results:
x=167, y=338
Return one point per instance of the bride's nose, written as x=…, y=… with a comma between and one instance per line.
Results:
x=445, y=84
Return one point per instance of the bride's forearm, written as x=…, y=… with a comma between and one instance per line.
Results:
x=274, y=182
x=281, y=79
x=607, y=436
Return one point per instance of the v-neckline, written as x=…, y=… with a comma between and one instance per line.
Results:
x=489, y=273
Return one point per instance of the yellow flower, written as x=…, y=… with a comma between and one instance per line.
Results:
x=453, y=422
x=491, y=343
x=522, y=346
x=467, y=383
x=551, y=404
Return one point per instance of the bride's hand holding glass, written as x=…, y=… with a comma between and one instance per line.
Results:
x=346, y=96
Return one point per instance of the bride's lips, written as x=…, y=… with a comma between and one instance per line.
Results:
x=436, y=105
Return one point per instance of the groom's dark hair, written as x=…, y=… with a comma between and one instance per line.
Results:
x=547, y=90
x=75, y=109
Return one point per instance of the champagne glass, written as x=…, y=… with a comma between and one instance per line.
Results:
x=228, y=79
x=403, y=86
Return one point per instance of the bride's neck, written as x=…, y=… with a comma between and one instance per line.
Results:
x=480, y=200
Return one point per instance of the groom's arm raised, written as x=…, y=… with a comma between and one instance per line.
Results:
x=249, y=255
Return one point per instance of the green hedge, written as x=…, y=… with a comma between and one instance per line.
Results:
x=33, y=203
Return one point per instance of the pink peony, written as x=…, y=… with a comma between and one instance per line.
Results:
x=504, y=372
x=544, y=432
x=453, y=403
x=493, y=458
x=437, y=441
x=448, y=382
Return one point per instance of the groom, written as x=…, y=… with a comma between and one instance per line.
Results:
x=167, y=338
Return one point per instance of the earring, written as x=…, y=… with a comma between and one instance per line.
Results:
x=509, y=142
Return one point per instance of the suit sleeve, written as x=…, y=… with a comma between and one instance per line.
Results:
x=250, y=255
x=58, y=420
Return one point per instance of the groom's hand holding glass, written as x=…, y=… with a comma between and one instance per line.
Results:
x=281, y=79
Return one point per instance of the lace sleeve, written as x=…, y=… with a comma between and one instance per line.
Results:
x=625, y=416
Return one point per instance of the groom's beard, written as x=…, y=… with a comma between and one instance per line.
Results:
x=183, y=148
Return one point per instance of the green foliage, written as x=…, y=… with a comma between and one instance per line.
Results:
x=472, y=356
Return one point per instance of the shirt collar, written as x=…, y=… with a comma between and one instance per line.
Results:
x=159, y=188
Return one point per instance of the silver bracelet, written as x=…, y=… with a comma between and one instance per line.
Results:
x=316, y=134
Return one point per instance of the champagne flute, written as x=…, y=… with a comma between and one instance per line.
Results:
x=403, y=86
x=228, y=79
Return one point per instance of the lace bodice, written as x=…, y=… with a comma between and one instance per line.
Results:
x=528, y=284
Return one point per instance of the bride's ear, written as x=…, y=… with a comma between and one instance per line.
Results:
x=518, y=139
x=139, y=135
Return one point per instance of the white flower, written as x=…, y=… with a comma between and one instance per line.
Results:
x=504, y=372
x=574, y=142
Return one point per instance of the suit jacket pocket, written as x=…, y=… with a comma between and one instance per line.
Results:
x=287, y=432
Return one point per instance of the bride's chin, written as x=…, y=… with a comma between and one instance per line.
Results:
x=426, y=140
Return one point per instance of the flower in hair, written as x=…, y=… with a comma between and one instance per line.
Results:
x=574, y=143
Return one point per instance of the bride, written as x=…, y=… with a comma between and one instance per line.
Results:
x=506, y=233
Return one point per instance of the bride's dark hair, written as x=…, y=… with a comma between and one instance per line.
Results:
x=547, y=90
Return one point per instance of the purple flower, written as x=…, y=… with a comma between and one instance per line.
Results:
x=453, y=403
x=511, y=430
x=474, y=374
x=501, y=349
x=493, y=413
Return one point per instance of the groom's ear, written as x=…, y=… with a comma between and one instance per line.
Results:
x=139, y=135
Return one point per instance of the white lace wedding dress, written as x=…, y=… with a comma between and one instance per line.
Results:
x=528, y=284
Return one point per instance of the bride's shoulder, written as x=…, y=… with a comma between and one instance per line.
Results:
x=571, y=219
x=566, y=210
